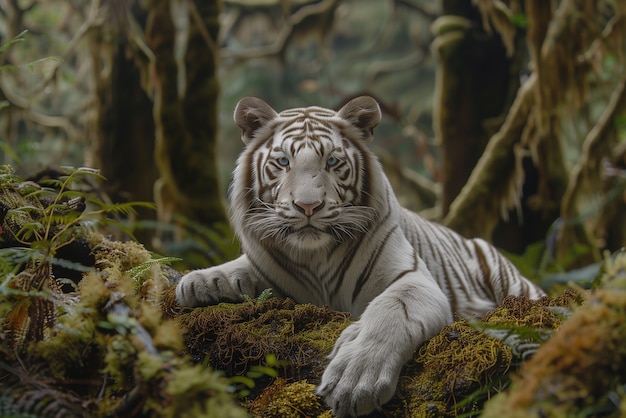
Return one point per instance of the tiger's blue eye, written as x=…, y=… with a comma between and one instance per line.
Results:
x=332, y=161
x=284, y=161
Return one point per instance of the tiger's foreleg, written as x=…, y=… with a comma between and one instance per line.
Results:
x=368, y=356
x=227, y=282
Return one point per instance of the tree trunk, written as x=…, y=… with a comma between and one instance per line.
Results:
x=523, y=167
x=187, y=191
x=123, y=144
x=473, y=81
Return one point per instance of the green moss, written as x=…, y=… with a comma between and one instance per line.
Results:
x=454, y=373
x=233, y=337
x=448, y=368
x=115, y=255
x=521, y=312
x=287, y=400
x=463, y=366
x=112, y=349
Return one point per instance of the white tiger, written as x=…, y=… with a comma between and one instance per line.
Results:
x=319, y=222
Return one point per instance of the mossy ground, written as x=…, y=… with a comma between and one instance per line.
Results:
x=233, y=337
x=458, y=370
x=454, y=373
x=104, y=349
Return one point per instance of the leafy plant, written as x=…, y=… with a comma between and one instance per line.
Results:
x=243, y=385
x=40, y=221
x=259, y=300
x=105, y=343
x=140, y=272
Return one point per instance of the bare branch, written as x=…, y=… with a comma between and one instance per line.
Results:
x=48, y=121
x=94, y=18
x=286, y=32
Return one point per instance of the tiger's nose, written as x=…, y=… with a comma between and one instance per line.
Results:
x=308, y=208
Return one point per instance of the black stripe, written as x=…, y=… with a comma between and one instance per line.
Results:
x=347, y=261
x=485, y=270
x=281, y=292
x=373, y=259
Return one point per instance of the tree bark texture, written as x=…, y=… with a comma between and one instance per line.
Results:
x=523, y=165
x=123, y=141
x=472, y=86
x=186, y=121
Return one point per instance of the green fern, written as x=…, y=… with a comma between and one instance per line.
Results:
x=140, y=273
x=259, y=300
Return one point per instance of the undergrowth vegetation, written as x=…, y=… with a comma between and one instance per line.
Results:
x=82, y=331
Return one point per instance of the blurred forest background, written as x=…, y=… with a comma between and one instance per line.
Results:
x=504, y=119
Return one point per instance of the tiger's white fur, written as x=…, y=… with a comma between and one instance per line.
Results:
x=319, y=222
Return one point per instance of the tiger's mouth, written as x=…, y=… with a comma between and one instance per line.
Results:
x=308, y=233
x=308, y=237
x=308, y=230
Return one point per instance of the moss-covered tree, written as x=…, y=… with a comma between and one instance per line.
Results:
x=185, y=111
x=525, y=167
x=473, y=79
x=122, y=143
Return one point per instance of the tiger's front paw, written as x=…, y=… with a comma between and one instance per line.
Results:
x=206, y=287
x=361, y=376
x=198, y=288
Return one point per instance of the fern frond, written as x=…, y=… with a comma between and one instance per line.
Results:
x=87, y=171
x=138, y=273
x=127, y=208
x=116, y=224
x=66, y=219
x=16, y=257
x=16, y=321
x=70, y=265
x=35, y=399
x=523, y=340
x=28, y=210
x=29, y=232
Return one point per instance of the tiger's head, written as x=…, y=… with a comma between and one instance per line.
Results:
x=305, y=179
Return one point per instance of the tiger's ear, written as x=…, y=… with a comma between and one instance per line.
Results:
x=251, y=113
x=364, y=113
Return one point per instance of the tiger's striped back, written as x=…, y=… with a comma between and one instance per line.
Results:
x=471, y=272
